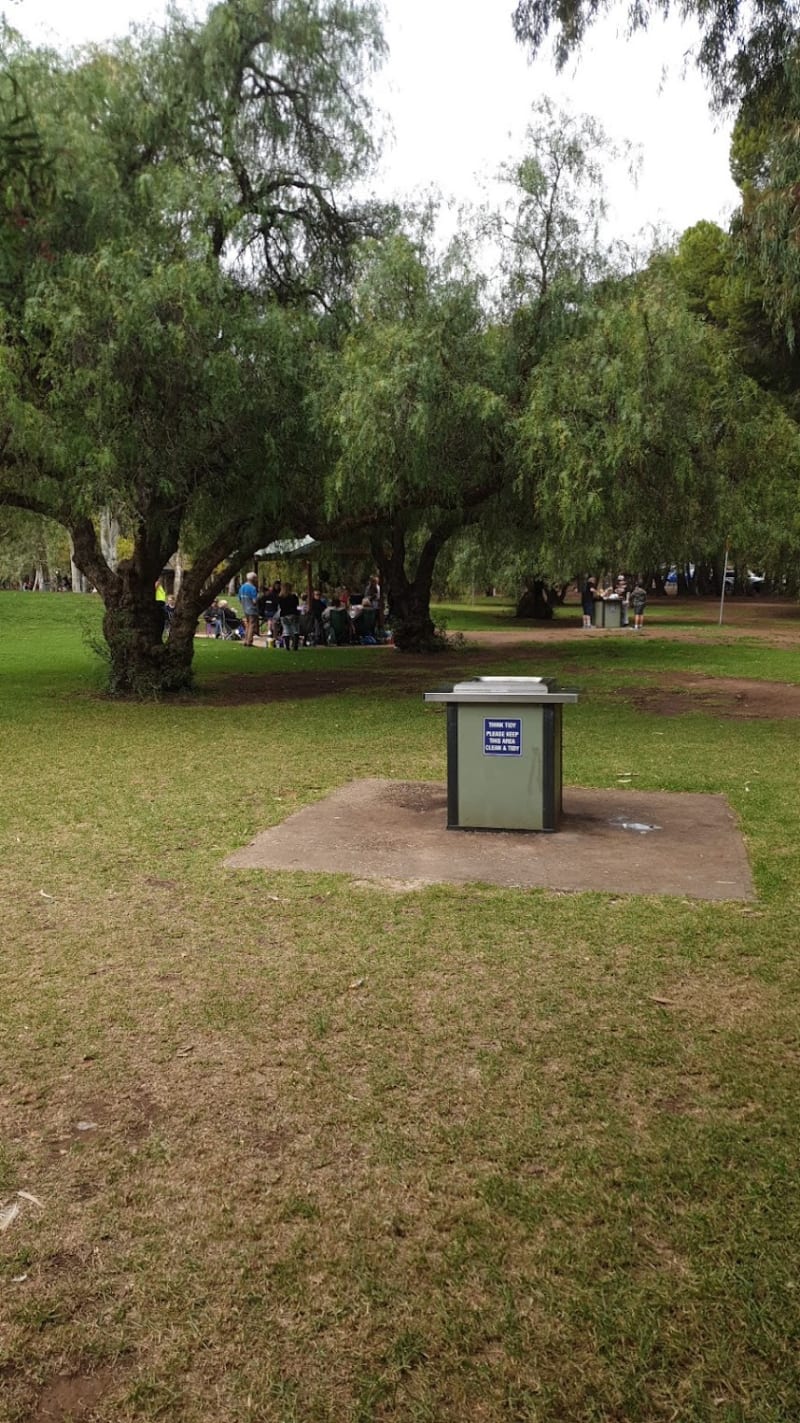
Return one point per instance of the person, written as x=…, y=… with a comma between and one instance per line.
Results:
x=335, y=622
x=229, y=620
x=248, y=597
x=316, y=609
x=638, y=603
x=622, y=592
x=169, y=613
x=268, y=611
x=160, y=593
x=289, y=605
x=211, y=618
x=587, y=601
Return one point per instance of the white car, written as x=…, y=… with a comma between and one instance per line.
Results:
x=754, y=580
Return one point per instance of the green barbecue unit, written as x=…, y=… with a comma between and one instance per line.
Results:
x=503, y=752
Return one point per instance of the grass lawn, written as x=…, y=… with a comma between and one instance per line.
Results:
x=305, y=1151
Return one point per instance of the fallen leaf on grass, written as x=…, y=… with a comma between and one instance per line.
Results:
x=663, y=1002
x=45, y=895
x=85, y=1126
x=26, y=1196
x=184, y=1051
x=8, y=1215
x=357, y=983
x=18, y=1279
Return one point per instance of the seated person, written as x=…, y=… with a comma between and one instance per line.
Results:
x=335, y=623
x=364, y=620
x=229, y=621
x=211, y=618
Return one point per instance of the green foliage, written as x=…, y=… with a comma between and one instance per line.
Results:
x=413, y=402
x=742, y=47
x=768, y=225
x=647, y=444
x=548, y=227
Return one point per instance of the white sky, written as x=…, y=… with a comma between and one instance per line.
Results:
x=458, y=91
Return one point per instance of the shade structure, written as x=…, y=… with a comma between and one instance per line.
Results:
x=288, y=548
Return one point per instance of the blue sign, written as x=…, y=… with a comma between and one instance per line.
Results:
x=502, y=736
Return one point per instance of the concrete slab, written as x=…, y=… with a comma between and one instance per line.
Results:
x=619, y=841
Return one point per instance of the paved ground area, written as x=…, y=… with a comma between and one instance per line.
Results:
x=623, y=841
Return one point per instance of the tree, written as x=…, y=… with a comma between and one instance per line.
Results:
x=31, y=547
x=418, y=418
x=742, y=49
x=724, y=286
x=549, y=229
x=646, y=445
x=766, y=160
x=171, y=236
x=547, y=226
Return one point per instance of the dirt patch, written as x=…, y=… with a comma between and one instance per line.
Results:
x=619, y=841
x=70, y=1398
x=384, y=667
x=729, y=697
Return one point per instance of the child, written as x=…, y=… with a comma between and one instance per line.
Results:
x=638, y=603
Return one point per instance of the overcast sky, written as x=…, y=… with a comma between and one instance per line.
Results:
x=458, y=91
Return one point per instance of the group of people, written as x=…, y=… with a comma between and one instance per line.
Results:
x=634, y=599
x=289, y=619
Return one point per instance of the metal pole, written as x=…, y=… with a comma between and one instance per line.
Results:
x=724, y=584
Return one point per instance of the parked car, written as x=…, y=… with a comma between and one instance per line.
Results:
x=754, y=580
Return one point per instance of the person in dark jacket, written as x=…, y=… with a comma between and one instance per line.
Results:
x=289, y=605
x=587, y=601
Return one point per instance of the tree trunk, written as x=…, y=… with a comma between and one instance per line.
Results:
x=178, y=563
x=142, y=663
x=412, y=625
x=109, y=535
x=535, y=601
x=79, y=582
x=409, y=599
